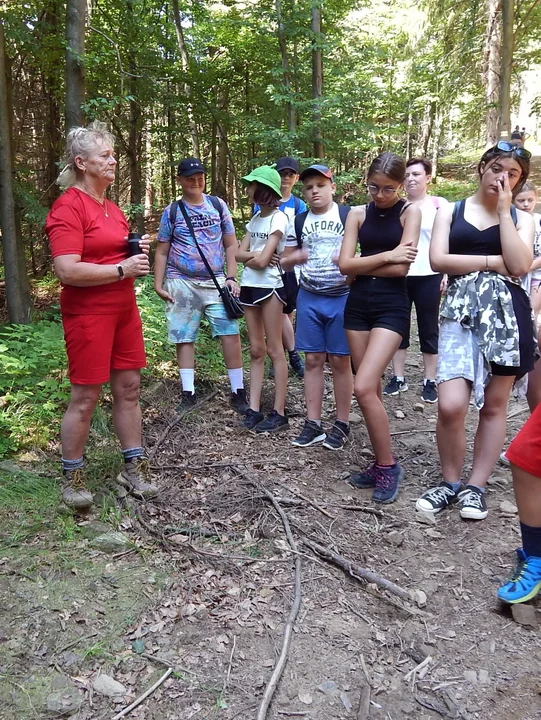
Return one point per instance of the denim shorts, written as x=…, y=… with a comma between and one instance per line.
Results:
x=194, y=300
x=320, y=323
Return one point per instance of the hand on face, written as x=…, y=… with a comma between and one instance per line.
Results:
x=505, y=195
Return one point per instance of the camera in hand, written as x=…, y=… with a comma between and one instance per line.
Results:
x=133, y=244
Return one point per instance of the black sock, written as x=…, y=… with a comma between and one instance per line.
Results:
x=531, y=540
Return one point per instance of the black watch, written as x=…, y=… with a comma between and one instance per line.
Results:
x=231, y=278
x=120, y=271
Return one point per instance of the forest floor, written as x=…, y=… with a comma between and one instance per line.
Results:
x=202, y=580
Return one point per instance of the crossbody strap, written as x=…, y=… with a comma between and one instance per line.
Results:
x=203, y=258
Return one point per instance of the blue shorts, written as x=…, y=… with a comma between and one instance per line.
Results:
x=320, y=323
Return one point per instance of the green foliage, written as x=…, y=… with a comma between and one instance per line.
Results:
x=28, y=504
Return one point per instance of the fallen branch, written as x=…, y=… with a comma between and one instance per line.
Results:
x=307, y=500
x=294, y=611
x=175, y=421
x=413, y=430
x=364, y=704
x=144, y=696
x=360, y=508
x=356, y=571
x=419, y=670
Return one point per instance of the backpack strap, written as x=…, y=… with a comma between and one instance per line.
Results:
x=514, y=216
x=435, y=201
x=343, y=211
x=296, y=204
x=404, y=208
x=173, y=209
x=217, y=205
x=299, y=221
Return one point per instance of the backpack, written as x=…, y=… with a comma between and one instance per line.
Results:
x=460, y=206
x=174, y=209
x=300, y=219
x=296, y=204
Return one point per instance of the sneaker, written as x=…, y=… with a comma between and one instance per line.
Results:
x=188, y=400
x=135, y=477
x=395, y=386
x=365, y=479
x=238, y=401
x=388, y=481
x=311, y=434
x=525, y=582
x=338, y=436
x=296, y=363
x=437, y=498
x=504, y=460
x=272, y=423
x=430, y=392
x=252, y=418
x=472, y=503
x=74, y=491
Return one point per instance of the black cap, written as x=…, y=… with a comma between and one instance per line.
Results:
x=190, y=166
x=288, y=163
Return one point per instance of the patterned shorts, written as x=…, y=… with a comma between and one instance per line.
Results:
x=192, y=301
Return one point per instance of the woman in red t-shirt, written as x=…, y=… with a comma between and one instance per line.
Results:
x=102, y=326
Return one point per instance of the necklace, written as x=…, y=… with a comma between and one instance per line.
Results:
x=102, y=204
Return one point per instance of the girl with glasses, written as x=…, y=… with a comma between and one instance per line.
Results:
x=487, y=337
x=377, y=310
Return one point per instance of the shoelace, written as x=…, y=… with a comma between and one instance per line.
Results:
x=472, y=499
x=519, y=572
x=439, y=494
x=141, y=469
x=77, y=480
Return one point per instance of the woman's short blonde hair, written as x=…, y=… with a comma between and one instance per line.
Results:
x=80, y=142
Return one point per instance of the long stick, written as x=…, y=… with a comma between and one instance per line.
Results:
x=364, y=704
x=144, y=696
x=176, y=421
x=357, y=571
x=307, y=500
x=294, y=611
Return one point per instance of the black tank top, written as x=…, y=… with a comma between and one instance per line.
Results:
x=466, y=239
x=381, y=229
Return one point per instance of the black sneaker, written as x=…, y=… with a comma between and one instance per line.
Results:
x=437, y=498
x=338, y=436
x=364, y=479
x=238, y=401
x=430, y=392
x=188, y=400
x=272, y=423
x=296, y=363
x=472, y=503
x=251, y=418
x=395, y=386
x=311, y=434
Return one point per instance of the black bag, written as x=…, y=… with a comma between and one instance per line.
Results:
x=232, y=306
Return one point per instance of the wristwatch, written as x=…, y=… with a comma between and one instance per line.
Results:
x=231, y=278
x=120, y=272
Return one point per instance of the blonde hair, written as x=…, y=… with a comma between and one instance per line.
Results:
x=80, y=142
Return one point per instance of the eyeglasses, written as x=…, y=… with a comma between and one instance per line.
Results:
x=375, y=189
x=286, y=173
x=521, y=152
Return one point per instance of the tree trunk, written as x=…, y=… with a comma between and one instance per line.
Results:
x=492, y=68
x=53, y=141
x=426, y=130
x=213, y=157
x=17, y=288
x=75, y=69
x=185, y=87
x=290, y=108
x=508, y=12
x=170, y=153
x=317, y=79
x=221, y=153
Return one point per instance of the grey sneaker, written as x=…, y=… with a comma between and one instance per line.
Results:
x=135, y=477
x=74, y=492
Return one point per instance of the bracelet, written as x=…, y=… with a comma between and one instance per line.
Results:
x=486, y=260
x=231, y=278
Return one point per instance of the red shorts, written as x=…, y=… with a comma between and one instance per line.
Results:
x=97, y=344
x=525, y=450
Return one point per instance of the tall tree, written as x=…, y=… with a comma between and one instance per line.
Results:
x=75, y=68
x=185, y=86
x=290, y=107
x=508, y=14
x=317, y=78
x=492, y=68
x=17, y=289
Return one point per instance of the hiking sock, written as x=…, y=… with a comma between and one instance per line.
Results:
x=456, y=486
x=400, y=378
x=481, y=489
x=386, y=467
x=132, y=453
x=236, y=379
x=531, y=540
x=187, y=379
x=69, y=465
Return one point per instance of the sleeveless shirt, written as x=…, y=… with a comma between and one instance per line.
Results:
x=381, y=230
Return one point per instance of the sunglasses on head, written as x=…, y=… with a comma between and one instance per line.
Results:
x=521, y=152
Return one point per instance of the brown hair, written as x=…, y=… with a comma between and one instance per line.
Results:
x=421, y=161
x=495, y=152
x=390, y=165
x=527, y=187
x=264, y=195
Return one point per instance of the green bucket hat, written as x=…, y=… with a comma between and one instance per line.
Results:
x=266, y=176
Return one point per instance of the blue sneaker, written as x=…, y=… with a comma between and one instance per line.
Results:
x=366, y=478
x=525, y=581
x=387, y=484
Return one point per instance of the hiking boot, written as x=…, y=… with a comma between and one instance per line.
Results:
x=311, y=434
x=135, y=477
x=437, y=498
x=296, y=363
x=472, y=503
x=251, y=418
x=395, y=386
x=430, y=392
x=388, y=481
x=238, y=401
x=74, y=491
x=188, y=400
x=338, y=436
x=365, y=479
x=525, y=581
x=272, y=423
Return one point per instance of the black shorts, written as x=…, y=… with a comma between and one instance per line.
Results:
x=291, y=287
x=376, y=302
x=424, y=292
x=526, y=338
x=255, y=295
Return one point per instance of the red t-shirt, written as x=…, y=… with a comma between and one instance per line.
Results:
x=77, y=225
